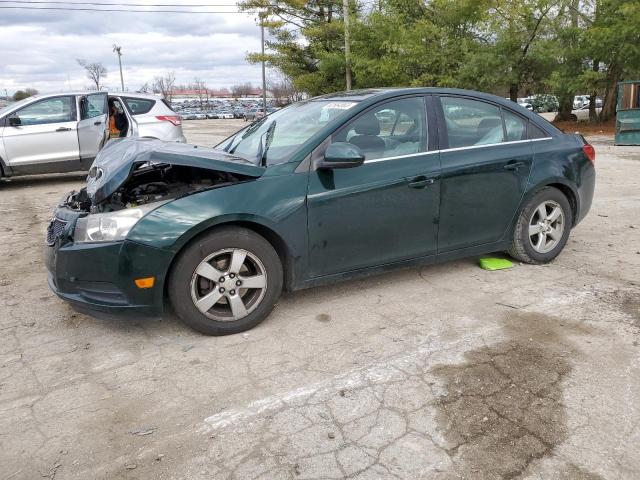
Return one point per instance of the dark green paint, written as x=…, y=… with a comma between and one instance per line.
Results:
x=336, y=224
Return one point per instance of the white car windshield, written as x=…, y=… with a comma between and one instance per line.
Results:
x=272, y=139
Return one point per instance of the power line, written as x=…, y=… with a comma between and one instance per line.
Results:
x=65, y=9
x=117, y=4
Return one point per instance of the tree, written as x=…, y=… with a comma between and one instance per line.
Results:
x=283, y=90
x=164, y=85
x=145, y=88
x=26, y=93
x=95, y=72
x=613, y=39
x=242, y=90
x=202, y=92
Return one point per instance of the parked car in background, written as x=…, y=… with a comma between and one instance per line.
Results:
x=254, y=114
x=65, y=131
x=582, y=114
x=327, y=189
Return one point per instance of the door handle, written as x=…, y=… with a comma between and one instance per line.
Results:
x=97, y=123
x=63, y=129
x=421, y=182
x=513, y=166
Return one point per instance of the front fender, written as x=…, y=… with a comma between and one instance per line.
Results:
x=274, y=202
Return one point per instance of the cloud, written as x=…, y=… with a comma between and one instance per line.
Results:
x=39, y=49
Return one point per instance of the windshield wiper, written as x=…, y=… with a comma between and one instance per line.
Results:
x=252, y=128
x=264, y=146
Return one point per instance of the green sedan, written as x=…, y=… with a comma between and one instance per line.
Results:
x=327, y=189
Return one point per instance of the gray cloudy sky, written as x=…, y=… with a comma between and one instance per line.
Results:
x=39, y=48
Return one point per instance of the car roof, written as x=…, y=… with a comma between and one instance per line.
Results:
x=89, y=92
x=370, y=96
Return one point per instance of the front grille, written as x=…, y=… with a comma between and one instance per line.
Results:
x=55, y=230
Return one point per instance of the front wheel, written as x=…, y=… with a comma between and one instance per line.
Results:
x=226, y=282
x=543, y=227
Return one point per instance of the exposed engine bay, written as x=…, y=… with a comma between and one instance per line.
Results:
x=150, y=182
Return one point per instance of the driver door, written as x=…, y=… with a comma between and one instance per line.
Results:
x=93, y=125
x=384, y=210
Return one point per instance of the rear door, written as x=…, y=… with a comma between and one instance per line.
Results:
x=485, y=166
x=44, y=131
x=93, y=124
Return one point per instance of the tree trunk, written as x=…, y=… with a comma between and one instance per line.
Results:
x=609, y=104
x=593, y=115
x=513, y=92
x=564, y=108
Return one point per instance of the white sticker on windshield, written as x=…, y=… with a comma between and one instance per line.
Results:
x=340, y=105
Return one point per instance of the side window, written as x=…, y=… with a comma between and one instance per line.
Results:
x=515, y=126
x=395, y=128
x=535, y=132
x=93, y=106
x=471, y=122
x=50, y=110
x=139, y=106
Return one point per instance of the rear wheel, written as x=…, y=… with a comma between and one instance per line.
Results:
x=543, y=227
x=226, y=282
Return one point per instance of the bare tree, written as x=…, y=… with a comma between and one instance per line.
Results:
x=95, y=71
x=242, y=90
x=202, y=91
x=283, y=90
x=164, y=84
x=145, y=88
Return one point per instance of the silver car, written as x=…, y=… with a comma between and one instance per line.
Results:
x=64, y=132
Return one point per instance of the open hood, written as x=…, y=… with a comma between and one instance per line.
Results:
x=114, y=164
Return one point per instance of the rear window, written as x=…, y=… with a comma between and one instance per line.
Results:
x=139, y=106
x=536, y=132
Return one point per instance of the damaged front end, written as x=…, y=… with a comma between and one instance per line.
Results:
x=132, y=177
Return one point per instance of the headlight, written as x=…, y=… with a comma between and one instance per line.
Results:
x=112, y=226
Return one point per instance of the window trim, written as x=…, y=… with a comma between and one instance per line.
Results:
x=74, y=109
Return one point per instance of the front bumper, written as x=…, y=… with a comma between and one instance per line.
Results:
x=100, y=277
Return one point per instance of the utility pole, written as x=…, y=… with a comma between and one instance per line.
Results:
x=118, y=50
x=347, y=46
x=264, y=77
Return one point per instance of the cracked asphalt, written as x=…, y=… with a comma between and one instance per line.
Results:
x=440, y=372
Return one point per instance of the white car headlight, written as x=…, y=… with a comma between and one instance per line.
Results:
x=111, y=226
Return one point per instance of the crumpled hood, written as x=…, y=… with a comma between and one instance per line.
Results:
x=113, y=164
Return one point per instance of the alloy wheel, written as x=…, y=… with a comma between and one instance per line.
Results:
x=228, y=284
x=546, y=226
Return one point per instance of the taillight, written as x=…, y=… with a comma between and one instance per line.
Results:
x=175, y=119
x=590, y=152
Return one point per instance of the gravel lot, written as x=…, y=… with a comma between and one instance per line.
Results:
x=440, y=372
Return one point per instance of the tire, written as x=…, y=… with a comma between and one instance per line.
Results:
x=209, y=266
x=573, y=117
x=552, y=234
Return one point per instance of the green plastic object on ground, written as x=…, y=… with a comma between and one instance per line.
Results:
x=490, y=263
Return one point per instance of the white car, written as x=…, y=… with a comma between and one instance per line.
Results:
x=64, y=132
x=226, y=115
x=581, y=114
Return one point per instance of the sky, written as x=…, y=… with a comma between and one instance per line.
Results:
x=40, y=48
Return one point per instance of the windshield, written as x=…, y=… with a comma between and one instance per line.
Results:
x=272, y=139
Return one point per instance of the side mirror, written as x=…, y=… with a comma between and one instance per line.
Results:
x=14, y=121
x=341, y=155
